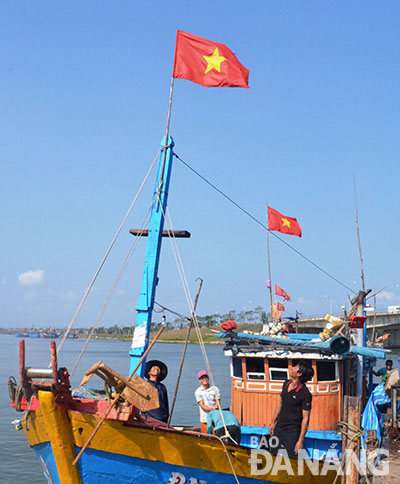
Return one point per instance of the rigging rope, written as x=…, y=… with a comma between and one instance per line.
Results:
x=185, y=284
x=353, y=433
x=68, y=330
x=263, y=225
x=113, y=288
x=164, y=308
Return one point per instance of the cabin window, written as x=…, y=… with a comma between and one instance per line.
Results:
x=237, y=367
x=278, y=369
x=255, y=368
x=326, y=370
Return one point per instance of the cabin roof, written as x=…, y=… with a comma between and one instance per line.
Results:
x=251, y=348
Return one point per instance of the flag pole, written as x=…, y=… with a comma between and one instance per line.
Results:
x=358, y=234
x=171, y=91
x=269, y=266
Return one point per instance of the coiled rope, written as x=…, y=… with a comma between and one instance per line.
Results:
x=353, y=433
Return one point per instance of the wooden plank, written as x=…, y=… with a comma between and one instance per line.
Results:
x=179, y=234
x=344, y=437
x=354, y=420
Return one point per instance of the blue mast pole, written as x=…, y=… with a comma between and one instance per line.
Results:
x=144, y=309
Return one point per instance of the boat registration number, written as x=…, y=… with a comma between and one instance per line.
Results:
x=178, y=478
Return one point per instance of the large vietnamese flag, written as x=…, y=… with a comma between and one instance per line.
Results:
x=207, y=63
x=283, y=224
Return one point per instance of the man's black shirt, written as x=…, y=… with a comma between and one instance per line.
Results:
x=293, y=404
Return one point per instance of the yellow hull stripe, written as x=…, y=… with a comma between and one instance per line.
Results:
x=62, y=443
x=175, y=448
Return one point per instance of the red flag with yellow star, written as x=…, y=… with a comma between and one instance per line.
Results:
x=283, y=224
x=207, y=63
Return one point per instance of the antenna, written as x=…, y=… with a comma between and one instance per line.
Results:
x=358, y=234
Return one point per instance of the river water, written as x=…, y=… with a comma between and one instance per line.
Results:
x=19, y=464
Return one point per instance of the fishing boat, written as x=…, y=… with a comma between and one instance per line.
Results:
x=96, y=437
x=58, y=425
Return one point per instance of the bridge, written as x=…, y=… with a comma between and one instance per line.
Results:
x=384, y=323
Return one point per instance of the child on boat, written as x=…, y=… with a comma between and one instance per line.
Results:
x=207, y=397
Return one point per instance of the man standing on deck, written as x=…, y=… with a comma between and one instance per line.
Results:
x=155, y=372
x=207, y=397
x=292, y=413
x=384, y=372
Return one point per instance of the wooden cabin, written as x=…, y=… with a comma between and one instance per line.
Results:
x=257, y=379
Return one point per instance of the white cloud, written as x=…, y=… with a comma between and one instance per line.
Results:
x=305, y=301
x=67, y=295
x=31, y=278
x=30, y=295
x=385, y=295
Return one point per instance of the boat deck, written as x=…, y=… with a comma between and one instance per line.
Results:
x=394, y=464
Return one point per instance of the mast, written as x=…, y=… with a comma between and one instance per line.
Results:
x=361, y=334
x=358, y=234
x=269, y=268
x=144, y=308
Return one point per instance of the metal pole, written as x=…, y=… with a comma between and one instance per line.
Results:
x=269, y=267
x=358, y=235
x=184, y=353
x=394, y=407
x=374, y=328
x=166, y=133
x=360, y=359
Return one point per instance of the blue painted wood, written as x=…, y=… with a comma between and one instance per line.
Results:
x=316, y=442
x=46, y=457
x=321, y=345
x=104, y=468
x=147, y=293
x=315, y=434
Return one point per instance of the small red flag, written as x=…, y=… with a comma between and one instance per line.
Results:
x=280, y=307
x=283, y=224
x=280, y=292
x=207, y=63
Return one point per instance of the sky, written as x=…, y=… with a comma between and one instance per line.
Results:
x=84, y=100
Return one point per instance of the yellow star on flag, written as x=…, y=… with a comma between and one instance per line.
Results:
x=285, y=222
x=214, y=61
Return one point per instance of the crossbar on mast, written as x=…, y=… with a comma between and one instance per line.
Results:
x=182, y=234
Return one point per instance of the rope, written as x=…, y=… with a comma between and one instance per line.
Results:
x=164, y=308
x=113, y=288
x=225, y=449
x=68, y=330
x=185, y=285
x=354, y=434
x=264, y=226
